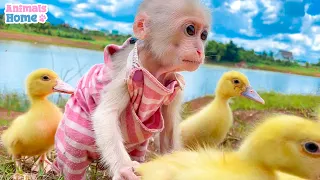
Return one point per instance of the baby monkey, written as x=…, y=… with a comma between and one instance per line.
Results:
x=120, y=104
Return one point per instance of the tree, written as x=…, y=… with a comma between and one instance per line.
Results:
x=271, y=54
x=232, y=52
x=264, y=55
x=215, y=50
x=307, y=65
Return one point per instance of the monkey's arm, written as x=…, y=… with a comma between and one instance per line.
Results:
x=105, y=119
x=170, y=136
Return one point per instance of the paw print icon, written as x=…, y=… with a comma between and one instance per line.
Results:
x=42, y=18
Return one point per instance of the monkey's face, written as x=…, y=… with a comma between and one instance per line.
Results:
x=175, y=33
x=190, y=47
x=182, y=45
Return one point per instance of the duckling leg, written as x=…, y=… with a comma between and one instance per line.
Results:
x=19, y=172
x=17, y=160
x=43, y=162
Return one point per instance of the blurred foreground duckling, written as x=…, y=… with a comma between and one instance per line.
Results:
x=33, y=132
x=211, y=124
x=282, y=143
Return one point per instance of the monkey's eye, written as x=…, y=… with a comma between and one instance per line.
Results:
x=190, y=30
x=311, y=147
x=236, y=81
x=204, y=35
x=45, y=78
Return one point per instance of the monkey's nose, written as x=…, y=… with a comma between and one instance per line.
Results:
x=199, y=52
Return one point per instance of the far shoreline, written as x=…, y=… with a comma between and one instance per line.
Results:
x=66, y=42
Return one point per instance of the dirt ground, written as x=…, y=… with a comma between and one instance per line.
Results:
x=244, y=115
x=47, y=40
x=5, y=114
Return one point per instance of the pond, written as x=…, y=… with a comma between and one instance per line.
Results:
x=18, y=59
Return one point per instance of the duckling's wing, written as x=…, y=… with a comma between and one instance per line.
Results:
x=10, y=137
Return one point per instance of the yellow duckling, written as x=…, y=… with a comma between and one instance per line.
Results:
x=33, y=133
x=285, y=176
x=285, y=143
x=211, y=124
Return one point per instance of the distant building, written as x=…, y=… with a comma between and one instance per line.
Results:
x=284, y=55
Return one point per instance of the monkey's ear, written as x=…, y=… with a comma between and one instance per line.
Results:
x=141, y=25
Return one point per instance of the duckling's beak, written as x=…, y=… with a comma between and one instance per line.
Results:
x=250, y=93
x=63, y=87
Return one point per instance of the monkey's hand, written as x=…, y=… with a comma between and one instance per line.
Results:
x=127, y=172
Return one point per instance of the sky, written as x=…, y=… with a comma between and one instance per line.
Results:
x=292, y=25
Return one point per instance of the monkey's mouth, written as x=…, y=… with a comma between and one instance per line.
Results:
x=189, y=61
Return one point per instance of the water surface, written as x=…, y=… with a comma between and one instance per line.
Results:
x=18, y=59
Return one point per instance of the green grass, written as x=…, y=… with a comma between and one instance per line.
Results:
x=310, y=71
x=4, y=122
x=304, y=104
x=101, y=41
x=20, y=103
x=273, y=100
x=278, y=101
x=300, y=70
x=14, y=101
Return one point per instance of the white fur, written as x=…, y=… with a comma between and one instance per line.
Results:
x=169, y=138
x=105, y=119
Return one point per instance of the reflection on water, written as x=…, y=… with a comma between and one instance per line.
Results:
x=18, y=59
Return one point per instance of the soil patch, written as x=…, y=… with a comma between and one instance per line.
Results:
x=5, y=114
x=47, y=40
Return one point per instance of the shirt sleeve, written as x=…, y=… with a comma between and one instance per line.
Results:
x=139, y=153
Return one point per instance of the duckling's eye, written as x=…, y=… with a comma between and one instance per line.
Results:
x=311, y=147
x=45, y=78
x=236, y=81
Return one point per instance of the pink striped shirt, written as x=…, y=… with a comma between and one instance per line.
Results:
x=75, y=142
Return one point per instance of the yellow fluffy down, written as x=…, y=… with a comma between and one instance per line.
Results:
x=285, y=143
x=210, y=125
x=33, y=132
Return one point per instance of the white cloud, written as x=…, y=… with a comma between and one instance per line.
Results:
x=308, y=21
x=122, y=27
x=246, y=9
x=82, y=6
x=316, y=44
x=90, y=27
x=84, y=14
x=298, y=37
x=311, y=30
x=298, y=51
x=68, y=1
x=56, y=11
x=3, y=2
x=207, y=3
x=234, y=7
x=114, y=6
x=249, y=7
x=93, y=1
x=272, y=10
